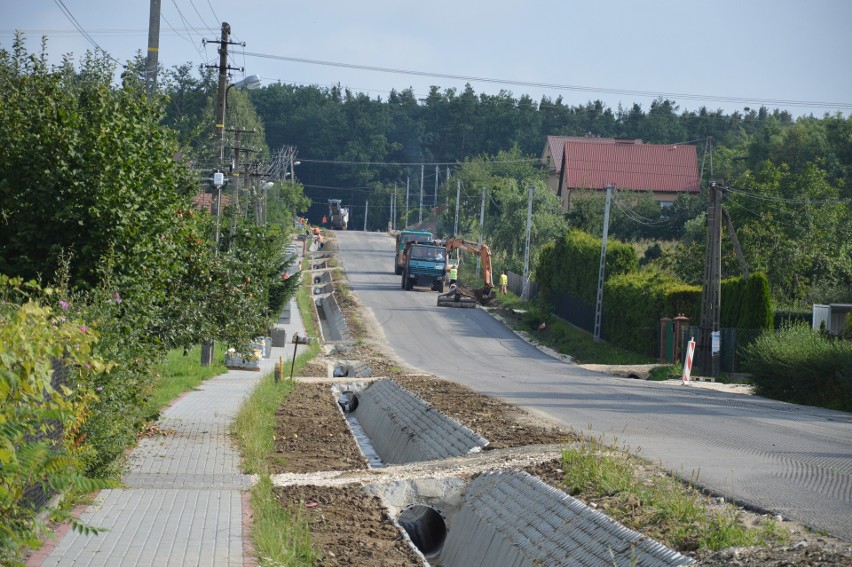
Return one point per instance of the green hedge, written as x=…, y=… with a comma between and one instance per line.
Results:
x=571, y=265
x=634, y=300
x=634, y=304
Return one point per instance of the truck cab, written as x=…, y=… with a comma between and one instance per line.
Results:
x=424, y=265
x=404, y=238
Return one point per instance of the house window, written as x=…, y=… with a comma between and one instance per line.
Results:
x=666, y=204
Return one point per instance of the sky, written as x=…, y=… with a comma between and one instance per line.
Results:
x=723, y=54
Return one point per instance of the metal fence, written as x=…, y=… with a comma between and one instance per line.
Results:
x=35, y=497
x=516, y=284
x=731, y=348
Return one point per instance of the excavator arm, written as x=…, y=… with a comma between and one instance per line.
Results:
x=462, y=296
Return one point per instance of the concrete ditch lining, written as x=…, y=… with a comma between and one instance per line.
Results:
x=405, y=428
x=511, y=518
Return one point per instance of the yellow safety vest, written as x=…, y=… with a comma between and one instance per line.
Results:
x=504, y=279
x=454, y=273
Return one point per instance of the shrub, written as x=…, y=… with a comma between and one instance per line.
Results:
x=40, y=416
x=797, y=364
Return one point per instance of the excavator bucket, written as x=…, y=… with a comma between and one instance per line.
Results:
x=461, y=296
x=456, y=298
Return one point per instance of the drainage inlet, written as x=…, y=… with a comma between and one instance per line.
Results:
x=425, y=527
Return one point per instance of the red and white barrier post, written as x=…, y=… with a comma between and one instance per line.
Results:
x=687, y=364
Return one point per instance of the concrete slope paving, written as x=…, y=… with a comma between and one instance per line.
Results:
x=184, y=496
x=788, y=459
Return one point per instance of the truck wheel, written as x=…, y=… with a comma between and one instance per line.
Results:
x=441, y=286
x=397, y=270
x=407, y=281
x=402, y=281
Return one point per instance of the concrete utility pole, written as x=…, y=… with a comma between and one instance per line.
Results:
x=153, y=48
x=711, y=291
x=422, y=178
x=222, y=91
x=366, y=210
x=392, y=222
x=458, y=195
x=236, y=173
x=481, y=226
x=602, y=268
x=525, y=291
x=435, y=203
x=407, y=180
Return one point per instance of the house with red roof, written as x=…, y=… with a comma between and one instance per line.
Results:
x=664, y=170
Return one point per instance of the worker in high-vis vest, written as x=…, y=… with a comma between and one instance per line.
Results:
x=454, y=274
x=504, y=282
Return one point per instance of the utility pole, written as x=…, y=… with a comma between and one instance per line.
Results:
x=407, y=180
x=422, y=178
x=481, y=226
x=711, y=291
x=435, y=204
x=236, y=173
x=222, y=94
x=366, y=210
x=602, y=268
x=393, y=209
x=525, y=291
x=458, y=195
x=153, y=48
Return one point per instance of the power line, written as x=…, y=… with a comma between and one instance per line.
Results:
x=556, y=86
x=82, y=30
x=759, y=197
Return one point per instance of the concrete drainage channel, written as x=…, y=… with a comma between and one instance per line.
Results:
x=502, y=517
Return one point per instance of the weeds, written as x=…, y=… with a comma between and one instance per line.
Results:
x=280, y=538
x=658, y=504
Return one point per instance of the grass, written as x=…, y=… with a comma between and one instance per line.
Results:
x=657, y=504
x=180, y=372
x=279, y=538
x=562, y=336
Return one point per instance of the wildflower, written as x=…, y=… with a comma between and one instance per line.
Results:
x=117, y=297
x=99, y=388
x=64, y=305
x=83, y=328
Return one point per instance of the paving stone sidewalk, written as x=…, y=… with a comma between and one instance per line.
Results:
x=184, y=496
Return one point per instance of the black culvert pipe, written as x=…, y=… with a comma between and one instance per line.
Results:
x=348, y=401
x=425, y=527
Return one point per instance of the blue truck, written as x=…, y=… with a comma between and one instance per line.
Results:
x=424, y=265
x=404, y=238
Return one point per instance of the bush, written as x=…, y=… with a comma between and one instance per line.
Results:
x=40, y=413
x=797, y=364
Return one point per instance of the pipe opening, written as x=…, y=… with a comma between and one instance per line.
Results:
x=425, y=527
x=340, y=372
x=317, y=280
x=348, y=401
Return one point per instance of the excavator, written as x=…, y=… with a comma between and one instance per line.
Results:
x=461, y=296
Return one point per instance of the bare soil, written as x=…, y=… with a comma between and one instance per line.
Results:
x=350, y=528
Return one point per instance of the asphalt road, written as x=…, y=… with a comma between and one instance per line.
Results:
x=782, y=458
